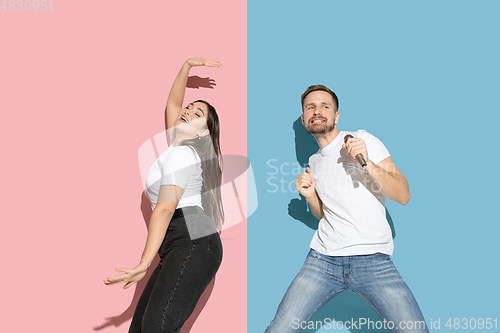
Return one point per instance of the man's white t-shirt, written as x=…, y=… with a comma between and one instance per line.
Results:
x=354, y=221
x=180, y=166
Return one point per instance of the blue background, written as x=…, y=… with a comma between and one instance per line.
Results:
x=422, y=76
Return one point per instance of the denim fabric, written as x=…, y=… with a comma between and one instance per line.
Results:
x=373, y=277
x=186, y=268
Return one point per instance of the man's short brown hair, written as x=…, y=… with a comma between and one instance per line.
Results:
x=318, y=87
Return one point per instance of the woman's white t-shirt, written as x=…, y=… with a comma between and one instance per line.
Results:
x=179, y=166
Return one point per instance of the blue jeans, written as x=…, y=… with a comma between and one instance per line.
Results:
x=372, y=277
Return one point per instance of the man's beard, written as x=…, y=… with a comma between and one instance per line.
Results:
x=321, y=130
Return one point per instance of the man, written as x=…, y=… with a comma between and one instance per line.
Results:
x=351, y=248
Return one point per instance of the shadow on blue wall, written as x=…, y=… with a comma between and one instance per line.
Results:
x=347, y=306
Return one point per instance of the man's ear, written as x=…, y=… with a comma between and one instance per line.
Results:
x=302, y=117
x=204, y=133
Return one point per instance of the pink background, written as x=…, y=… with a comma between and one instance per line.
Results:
x=82, y=88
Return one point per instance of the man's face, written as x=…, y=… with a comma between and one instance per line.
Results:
x=319, y=115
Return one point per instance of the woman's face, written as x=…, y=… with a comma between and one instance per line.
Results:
x=192, y=119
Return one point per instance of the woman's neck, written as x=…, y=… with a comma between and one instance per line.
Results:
x=177, y=139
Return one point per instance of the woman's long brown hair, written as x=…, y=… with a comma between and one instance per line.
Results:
x=208, y=148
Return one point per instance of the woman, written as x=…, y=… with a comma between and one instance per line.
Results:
x=183, y=180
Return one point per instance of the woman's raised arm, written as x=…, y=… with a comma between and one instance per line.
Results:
x=176, y=96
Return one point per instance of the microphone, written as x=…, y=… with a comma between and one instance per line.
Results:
x=359, y=157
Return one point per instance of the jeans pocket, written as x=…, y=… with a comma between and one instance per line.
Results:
x=320, y=256
x=215, y=246
x=380, y=257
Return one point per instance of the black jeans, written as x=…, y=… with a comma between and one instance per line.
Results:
x=186, y=268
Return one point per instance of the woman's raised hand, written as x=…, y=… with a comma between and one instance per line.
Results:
x=129, y=276
x=198, y=61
